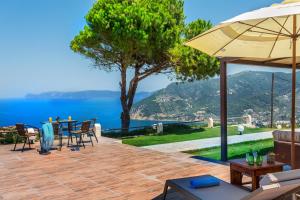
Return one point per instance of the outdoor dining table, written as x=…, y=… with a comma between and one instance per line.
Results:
x=69, y=127
x=63, y=121
x=66, y=121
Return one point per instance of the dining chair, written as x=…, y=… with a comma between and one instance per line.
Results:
x=58, y=133
x=69, y=127
x=84, y=128
x=22, y=132
x=92, y=132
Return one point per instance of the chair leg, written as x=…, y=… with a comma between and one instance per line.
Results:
x=77, y=141
x=69, y=136
x=15, y=146
x=82, y=140
x=29, y=143
x=24, y=144
x=95, y=135
x=60, y=140
x=165, y=191
x=91, y=140
x=16, y=143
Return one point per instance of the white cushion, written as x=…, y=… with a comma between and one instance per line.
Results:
x=30, y=130
x=280, y=177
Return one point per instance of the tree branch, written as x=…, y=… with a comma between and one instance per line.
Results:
x=133, y=85
x=156, y=69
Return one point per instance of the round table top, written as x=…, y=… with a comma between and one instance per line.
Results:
x=62, y=121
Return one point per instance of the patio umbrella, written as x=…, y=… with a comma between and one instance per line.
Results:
x=266, y=35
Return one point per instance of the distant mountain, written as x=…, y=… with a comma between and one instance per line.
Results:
x=84, y=95
x=248, y=92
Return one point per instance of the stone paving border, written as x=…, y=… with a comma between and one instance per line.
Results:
x=207, y=143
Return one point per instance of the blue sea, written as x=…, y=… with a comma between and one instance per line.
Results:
x=33, y=111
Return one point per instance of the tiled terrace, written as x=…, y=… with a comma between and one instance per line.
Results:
x=109, y=170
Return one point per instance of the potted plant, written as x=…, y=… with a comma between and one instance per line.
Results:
x=271, y=158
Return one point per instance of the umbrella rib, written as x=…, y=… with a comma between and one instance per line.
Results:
x=252, y=26
x=278, y=36
x=263, y=32
x=265, y=29
x=282, y=26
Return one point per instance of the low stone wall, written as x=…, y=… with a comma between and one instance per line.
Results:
x=7, y=134
x=7, y=129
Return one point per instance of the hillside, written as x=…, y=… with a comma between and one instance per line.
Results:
x=248, y=92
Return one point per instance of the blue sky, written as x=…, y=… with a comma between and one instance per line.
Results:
x=34, y=44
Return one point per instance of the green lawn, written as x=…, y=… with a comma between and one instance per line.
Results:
x=184, y=135
x=236, y=150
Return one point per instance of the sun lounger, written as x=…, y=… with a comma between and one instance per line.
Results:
x=225, y=191
x=280, y=177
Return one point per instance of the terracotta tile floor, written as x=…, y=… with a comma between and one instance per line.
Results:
x=109, y=170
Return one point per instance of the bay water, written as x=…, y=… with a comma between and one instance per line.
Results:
x=34, y=111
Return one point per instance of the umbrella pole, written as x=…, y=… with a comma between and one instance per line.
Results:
x=293, y=120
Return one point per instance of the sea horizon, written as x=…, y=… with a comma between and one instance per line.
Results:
x=36, y=111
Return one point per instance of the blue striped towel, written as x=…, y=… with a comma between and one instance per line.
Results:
x=48, y=137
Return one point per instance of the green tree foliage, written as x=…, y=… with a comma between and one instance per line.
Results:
x=191, y=64
x=140, y=38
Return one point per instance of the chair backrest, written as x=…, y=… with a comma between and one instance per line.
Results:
x=70, y=126
x=21, y=129
x=93, y=122
x=285, y=136
x=56, y=128
x=85, y=127
x=57, y=119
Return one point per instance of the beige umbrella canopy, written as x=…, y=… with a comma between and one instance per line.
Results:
x=267, y=35
x=290, y=1
x=262, y=34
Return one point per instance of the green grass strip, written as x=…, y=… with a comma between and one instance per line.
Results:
x=238, y=150
x=179, y=135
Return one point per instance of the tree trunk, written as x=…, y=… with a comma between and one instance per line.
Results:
x=125, y=121
x=127, y=98
x=125, y=118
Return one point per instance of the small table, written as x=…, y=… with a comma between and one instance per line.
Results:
x=69, y=128
x=240, y=167
x=63, y=121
